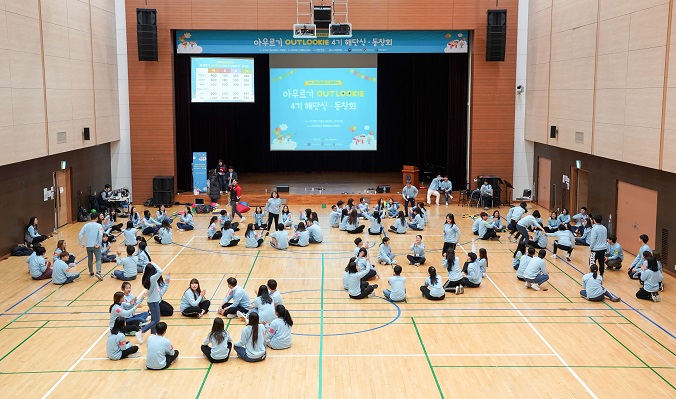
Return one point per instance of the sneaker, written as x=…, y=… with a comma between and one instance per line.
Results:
x=134, y=355
x=130, y=333
x=544, y=288
x=371, y=295
x=447, y=204
x=139, y=337
x=242, y=219
x=416, y=264
x=231, y=316
x=394, y=262
x=615, y=299
x=536, y=287
x=655, y=297
x=456, y=289
x=240, y=314
x=71, y=264
x=528, y=285
x=178, y=230
x=554, y=256
x=91, y=274
x=112, y=275
x=462, y=289
x=374, y=286
x=568, y=258
x=661, y=286
x=99, y=276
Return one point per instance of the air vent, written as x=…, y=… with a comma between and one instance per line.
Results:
x=579, y=137
x=665, y=247
x=60, y=137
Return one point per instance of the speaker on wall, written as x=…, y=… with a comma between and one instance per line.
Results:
x=496, y=35
x=553, y=131
x=85, y=133
x=282, y=188
x=146, y=34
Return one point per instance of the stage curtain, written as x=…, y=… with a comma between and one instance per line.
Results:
x=421, y=121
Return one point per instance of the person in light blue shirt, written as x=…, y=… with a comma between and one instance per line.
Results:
x=433, y=189
x=475, y=225
x=186, y=221
x=129, y=265
x=553, y=223
x=446, y=187
x=486, y=191
x=61, y=274
x=586, y=230
x=151, y=276
x=592, y=287
x=236, y=300
x=334, y=216
x=472, y=272
x=539, y=240
x=251, y=346
x=598, y=242
x=397, y=283
x=536, y=272
x=161, y=215
x=161, y=353
x=564, y=218
x=635, y=267
x=93, y=233
x=417, y=224
x=221, y=343
x=652, y=278
x=273, y=207
x=376, y=227
x=518, y=253
x=565, y=240
x=408, y=193
x=228, y=239
x=274, y=292
x=496, y=219
x=525, y=222
x=315, y=232
x=194, y=302
x=482, y=261
x=485, y=228
x=259, y=215
x=164, y=234
x=130, y=234
x=135, y=217
x=37, y=264
x=117, y=346
x=142, y=256
x=523, y=264
x=356, y=287
x=251, y=238
x=364, y=264
x=262, y=305
x=451, y=233
x=301, y=237
x=514, y=215
x=286, y=217
x=149, y=225
x=342, y=225
x=451, y=263
x=614, y=253
x=32, y=236
x=399, y=225
x=385, y=255
x=578, y=218
x=278, y=332
x=392, y=208
x=279, y=239
x=433, y=288
x=418, y=250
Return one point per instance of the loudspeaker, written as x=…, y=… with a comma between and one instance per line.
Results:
x=553, y=131
x=85, y=133
x=163, y=197
x=283, y=188
x=383, y=189
x=163, y=183
x=322, y=16
x=146, y=34
x=496, y=35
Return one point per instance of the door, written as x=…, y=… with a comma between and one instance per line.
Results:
x=62, y=197
x=544, y=189
x=636, y=215
x=579, y=189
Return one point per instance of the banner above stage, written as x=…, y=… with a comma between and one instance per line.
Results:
x=282, y=41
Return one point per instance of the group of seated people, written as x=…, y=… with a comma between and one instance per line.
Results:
x=347, y=216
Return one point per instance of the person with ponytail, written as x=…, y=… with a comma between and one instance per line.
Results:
x=117, y=310
x=592, y=286
x=221, y=343
x=186, y=221
x=451, y=234
x=451, y=263
x=151, y=275
x=278, y=332
x=433, y=289
x=251, y=346
x=117, y=346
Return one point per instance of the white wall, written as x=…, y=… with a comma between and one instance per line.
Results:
x=120, y=151
x=523, y=149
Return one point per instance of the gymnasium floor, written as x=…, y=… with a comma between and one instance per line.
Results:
x=499, y=340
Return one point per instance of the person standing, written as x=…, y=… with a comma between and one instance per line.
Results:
x=433, y=189
x=598, y=242
x=93, y=233
x=105, y=195
x=486, y=192
x=235, y=195
x=273, y=207
x=408, y=193
x=231, y=176
x=220, y=172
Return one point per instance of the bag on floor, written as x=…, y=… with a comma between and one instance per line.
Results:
x=242, y=207
x=21, y=251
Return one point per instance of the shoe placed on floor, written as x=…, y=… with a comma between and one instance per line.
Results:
x=615, y=299
x=374, y=286
x=130, y=333
x=661, y=286
x=134, y=355
x=371, y=295
x=544, y=288
x=394, y=262
x=536, y=287
x=91, y=274
x=568, y=258
x=240, y=314
x=112, y=275
x=528, y=285
x=655, y=297
x=416, y=264
x=181, y=230
x=231, y=316
x=139, y=337
x=447, y=204
x=554, y=256
x=242, y=219
x=99, y=276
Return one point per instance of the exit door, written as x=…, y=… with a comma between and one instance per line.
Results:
x=62, y=197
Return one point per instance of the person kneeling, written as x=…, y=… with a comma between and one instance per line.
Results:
x=536, y=272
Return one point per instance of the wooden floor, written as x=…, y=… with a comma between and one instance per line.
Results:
x=499, y=340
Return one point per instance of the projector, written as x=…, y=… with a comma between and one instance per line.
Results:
x=339, y=31
x=304, y=31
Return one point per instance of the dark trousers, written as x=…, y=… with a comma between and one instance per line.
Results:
x=426, y=293
x=217, y=235
x=643, y=294
x=372, y=273
x=273, y=217
x=447, y=246
x=408, y=201
x=222, y=182
x=233, y=310
x=534, y=244
x=511, y=226
x=128, y=351
x=37, y=240
x=234, y=209
x=46, y=275
x=148, y=231
x=489, y=234
x=206, y=349
x=416, y=259
x=232, y=243
x=466, y=283
x=366, y=289
x=184, y=226
x=166, y=309
x=450, y=285
x=566, y=248
x=170, y=359
x=358, y=230
x=522, y=231
x=599, y=258
x=194, y=311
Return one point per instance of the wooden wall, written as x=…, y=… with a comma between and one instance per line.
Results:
x=151, y=83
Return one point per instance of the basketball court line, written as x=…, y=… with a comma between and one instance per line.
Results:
x=345, y=355
x=105, y=332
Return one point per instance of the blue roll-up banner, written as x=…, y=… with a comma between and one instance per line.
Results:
x=199, y=172
x=282, y=41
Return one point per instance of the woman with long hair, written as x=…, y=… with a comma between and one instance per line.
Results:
x=194, y=302
x=221, y=343
x=251, y=346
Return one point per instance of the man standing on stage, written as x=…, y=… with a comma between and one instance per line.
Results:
x=220, y=171
x=235, y=195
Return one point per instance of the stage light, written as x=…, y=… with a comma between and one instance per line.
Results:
x=304, y=31
x=340, y=30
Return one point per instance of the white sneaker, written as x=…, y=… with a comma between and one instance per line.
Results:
x=72, y=264
x=484, y=275
x=528, y=285
x=371, y=295
x=462, y=289
x=553, y=256
x=457, y=289
x=139, y=337
x=230, y=316
x=394, y=262
x=178, y=230
x=240, y=314
x=536, y=287
x=655, y=297
x=134, y=355
x=242, y=219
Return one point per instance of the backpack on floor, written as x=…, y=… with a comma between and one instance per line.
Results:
x=21, y=251
x=149, y=203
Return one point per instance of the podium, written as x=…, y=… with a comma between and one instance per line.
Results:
x=411, y=174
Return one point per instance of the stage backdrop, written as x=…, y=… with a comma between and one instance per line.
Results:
x=422, y=120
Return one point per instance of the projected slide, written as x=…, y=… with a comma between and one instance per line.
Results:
x=323, y=109
x=222, y=80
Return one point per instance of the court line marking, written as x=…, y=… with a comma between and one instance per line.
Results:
x=63, y=377
x=374, y=355
x=321, y=333
x=427, y=357
x=537, y=332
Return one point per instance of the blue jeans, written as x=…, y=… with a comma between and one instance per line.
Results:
x=137, y=318
x=387, y=294
x=241, y=352
x=154, y=308
x=539, y=279
x=184, y=226
x=119, y=274
x=91, y=253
